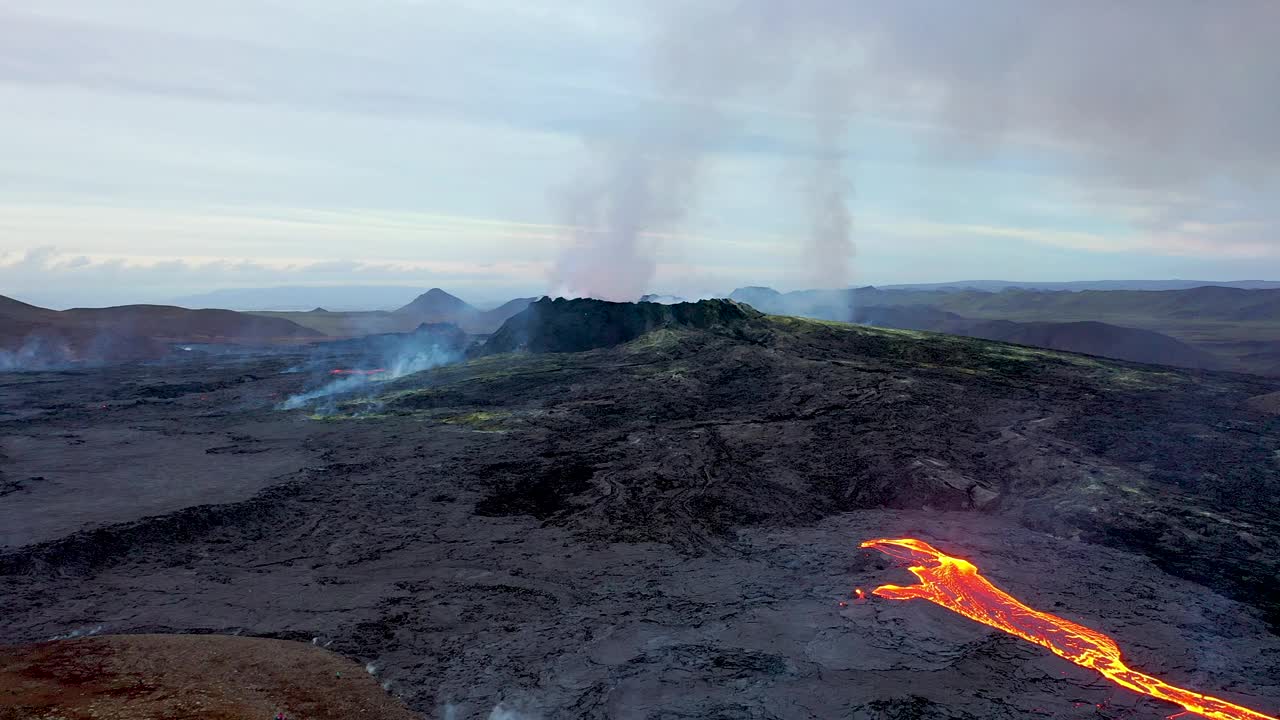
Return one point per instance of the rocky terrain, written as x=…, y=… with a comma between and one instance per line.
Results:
x=655, y=513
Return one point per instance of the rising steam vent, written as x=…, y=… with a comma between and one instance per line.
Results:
x=575, y=325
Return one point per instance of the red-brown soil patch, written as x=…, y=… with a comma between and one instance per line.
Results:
x=166, y=677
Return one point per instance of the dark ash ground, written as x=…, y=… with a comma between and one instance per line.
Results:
x=664, y=529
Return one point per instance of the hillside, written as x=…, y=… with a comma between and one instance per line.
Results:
x=11, y=309
x=33, y=337
x=182, y=325
x=1193, y=304
x=1201, y=303
x=1090, y=338
x=1095, y=338
x=1238, y=327
x=499, y=315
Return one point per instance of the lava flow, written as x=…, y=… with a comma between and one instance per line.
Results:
x=956, y=585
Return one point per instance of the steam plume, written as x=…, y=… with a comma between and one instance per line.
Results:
x=647, y=182
x=830, y=248
x=636, y=188
x=1160, y=112
x=394, y=356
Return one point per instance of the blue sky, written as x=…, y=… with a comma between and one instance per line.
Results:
x=157, y=149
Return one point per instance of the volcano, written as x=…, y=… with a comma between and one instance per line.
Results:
x=436, y=305
x=562, y=325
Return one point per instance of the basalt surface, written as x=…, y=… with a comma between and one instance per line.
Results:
x=666, y=527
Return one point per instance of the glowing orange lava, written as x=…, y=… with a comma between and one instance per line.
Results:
x=956, y=585
x=347, y=371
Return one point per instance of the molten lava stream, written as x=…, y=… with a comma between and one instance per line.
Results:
x=956, y=585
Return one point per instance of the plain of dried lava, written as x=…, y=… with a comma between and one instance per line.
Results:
x=660, y=528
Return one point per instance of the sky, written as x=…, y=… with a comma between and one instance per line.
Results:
x=154, y=149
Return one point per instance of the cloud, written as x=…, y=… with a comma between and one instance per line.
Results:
x=1174, y=94
x=1165, y=94
x=96, y=279
x=1156, y=116
x=1167, y=90
x=402, y=60
x=180, y=270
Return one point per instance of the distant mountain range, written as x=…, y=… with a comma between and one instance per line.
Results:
x=436, y=305
x=1121, y=306
x=364, y=298
x=1223, y=326
x=433, y=306
x=1077, y=285
x=295, y=298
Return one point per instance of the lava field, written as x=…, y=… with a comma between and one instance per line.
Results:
x=661, y=524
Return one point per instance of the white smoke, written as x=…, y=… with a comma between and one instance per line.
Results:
x=647, y=182
x=78, y=632
x=37, y=353
x=499, y=712
x=411, y=355
x=830, y=249
x=634, y=189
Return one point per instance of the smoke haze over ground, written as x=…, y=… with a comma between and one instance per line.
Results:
x=380, y=359
x=36, y=353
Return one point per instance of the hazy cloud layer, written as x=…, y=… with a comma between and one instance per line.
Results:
x=1177, y=96
x=622, y=147
x=122, y=280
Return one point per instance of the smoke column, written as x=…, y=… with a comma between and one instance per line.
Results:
x=830, y=249
x=633, y=189
x=647, y=183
